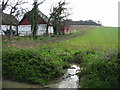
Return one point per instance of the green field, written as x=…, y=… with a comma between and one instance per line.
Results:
x=94, y=49
x=97, y=38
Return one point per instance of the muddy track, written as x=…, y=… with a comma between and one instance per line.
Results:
x=30, y=44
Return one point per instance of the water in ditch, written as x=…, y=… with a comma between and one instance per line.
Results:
x=69, y=80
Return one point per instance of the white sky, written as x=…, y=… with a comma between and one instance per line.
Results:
x=105, y=11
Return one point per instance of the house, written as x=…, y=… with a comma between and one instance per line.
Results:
x=24, y=28
x=5, y=25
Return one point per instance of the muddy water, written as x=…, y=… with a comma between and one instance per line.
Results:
x=14, y=84
x=69, y=80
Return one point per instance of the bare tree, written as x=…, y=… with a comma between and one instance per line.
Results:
x=14, y=11
x=34, y=17
x=57, y=16
x=19, y=14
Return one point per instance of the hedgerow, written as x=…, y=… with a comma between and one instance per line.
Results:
x=99, y=70
x=31, y=65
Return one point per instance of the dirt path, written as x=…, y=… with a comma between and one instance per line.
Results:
x=31, y=43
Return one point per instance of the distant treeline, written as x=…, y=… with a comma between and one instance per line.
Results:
x=86, y=22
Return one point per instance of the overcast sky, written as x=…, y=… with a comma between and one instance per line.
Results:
x=105, y=11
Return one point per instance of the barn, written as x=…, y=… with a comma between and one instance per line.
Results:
x=24, y=28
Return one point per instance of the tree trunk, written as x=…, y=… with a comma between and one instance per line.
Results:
x=47, y=27
x=47, y=30
x=35, y=31
x=17, y=31
x=32, y=29
x=10, y=27
x=55, y=30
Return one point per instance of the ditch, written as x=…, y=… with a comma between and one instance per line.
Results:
x=69, y=80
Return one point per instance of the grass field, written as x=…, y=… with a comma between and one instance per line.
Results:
x=96, y=38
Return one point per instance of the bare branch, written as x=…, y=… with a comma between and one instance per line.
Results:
x=4, y=4
x=41, y=2
x=14, y=7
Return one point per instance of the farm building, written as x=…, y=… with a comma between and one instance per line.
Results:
x=24, y=28
x=65, y=27
x=6, y=23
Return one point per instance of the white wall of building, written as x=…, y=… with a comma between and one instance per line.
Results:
x=5, y=27
x=50, y=29
x=41, y=29
x=25, y=30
